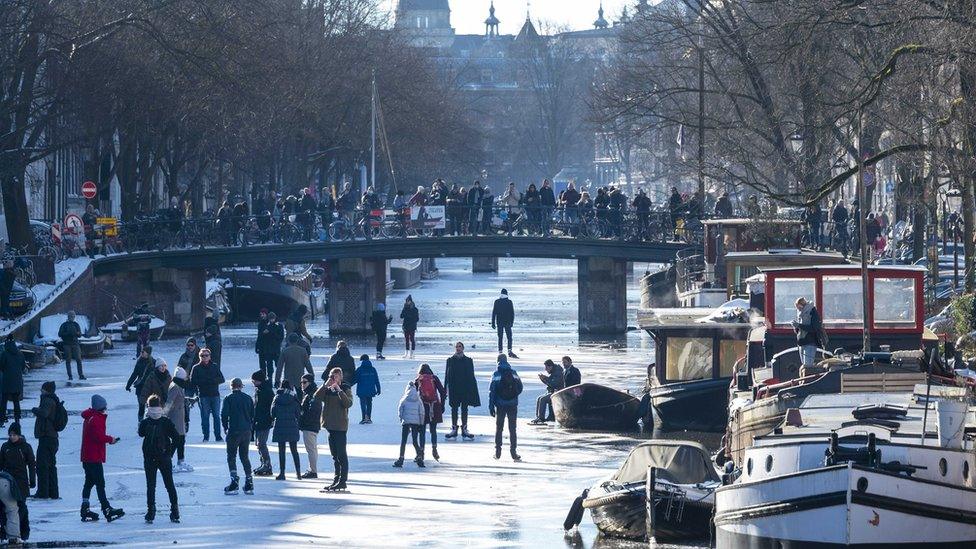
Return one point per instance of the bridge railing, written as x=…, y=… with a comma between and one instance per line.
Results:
x=166, y=233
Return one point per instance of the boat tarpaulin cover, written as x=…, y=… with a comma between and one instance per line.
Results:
x=684, y=463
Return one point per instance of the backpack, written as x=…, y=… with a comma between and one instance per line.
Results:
x=156, y=441
x=60, y=416
x=509, y=387
x=427, y=389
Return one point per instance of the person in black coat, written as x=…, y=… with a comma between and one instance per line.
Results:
x=12, y=366
x=46, y=433
x=212, y=337
x=310, y=424
x=159, y=439
x=571, y=373
x=286, y=411
x=473, y=204
x=502, y=319
x=268, y=344
x=70, y=333
x=547, y=199
x=379, y=322
x=411, y=317
x=341, y=359
x=17, y=458
x=144, y=366
x=263, y=397
x=462, y=390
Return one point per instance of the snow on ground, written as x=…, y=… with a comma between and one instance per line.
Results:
x=64, y=274
x=468, y=499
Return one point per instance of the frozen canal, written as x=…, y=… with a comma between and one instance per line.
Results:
x=467, y=499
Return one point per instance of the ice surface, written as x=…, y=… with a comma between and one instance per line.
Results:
x=468, y=499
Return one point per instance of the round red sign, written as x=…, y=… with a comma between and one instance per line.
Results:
x=88, y=190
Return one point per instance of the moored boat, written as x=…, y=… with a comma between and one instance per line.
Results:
x=92, y=340
x=122, y=331
x=682, y=482
x=595, y=407
x=699, y=405
x=250, y=291
x=861, y=470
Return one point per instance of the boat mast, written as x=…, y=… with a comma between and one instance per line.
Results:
x=372, y=131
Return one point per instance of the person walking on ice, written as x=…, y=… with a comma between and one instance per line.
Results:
x=503, y=404
x=411, y=412
x=502, y=320
x=93, y=441
x=159, y=439
x=237, y=418
x=462, y=390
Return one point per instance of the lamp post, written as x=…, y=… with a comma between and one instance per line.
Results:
x=862, y=230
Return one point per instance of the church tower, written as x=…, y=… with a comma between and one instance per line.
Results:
x=491, y=24
x=427, y=21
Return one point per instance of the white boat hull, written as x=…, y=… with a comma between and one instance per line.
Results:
x=833, y=507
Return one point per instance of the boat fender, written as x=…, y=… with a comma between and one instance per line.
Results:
x=575, y=515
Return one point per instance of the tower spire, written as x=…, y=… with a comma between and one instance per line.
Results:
x=491, y=24
x=601, y=22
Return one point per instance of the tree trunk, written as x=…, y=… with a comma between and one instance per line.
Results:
x=967, y=88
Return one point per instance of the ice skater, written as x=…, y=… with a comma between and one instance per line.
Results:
x=410, y=316
x=462, y=390
x=432, y=394
x=411, y=411
x=502, y=320
x=237, y=418
x=367, y=383
x=93, y=441
x=336, y=399
x=286, y=411
x=159, y=439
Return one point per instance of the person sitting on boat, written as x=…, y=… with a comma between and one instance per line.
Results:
x=554, y=380
x=807, y=326
x=571, y=374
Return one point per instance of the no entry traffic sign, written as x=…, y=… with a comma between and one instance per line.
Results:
x=88, y=190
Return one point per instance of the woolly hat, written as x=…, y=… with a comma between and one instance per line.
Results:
x=504, y=291
x=48, y=387
x=363, y=357
x=14, y=429
x=259, y=376
x=98, y=402
x=309, y=378
x=180, y=373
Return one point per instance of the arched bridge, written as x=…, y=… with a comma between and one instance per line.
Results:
x=382, y=249
x=177, y=277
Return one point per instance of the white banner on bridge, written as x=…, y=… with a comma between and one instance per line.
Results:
x=428, y=217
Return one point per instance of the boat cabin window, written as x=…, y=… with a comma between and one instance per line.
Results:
x=689, y=358
x=894, y=303
x=843, y=302
x=786, y=291
x=729, y=352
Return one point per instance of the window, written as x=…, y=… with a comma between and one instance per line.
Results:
x=894, y=303
x=689, y=358
x=786, y=291
x=729, y=351
x=843, y=302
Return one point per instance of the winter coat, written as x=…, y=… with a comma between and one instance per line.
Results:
x=554, y=380
x=165, y=428
x=213, y=340
x=503, y=313
x=294, y=324
x=366, y=380
x=44, y=416
x=155, y=383
x=206, y=379
x=341, y=359
x=335, y=407
x=411, y=409
x=188, y=359
x=547, y=197
x=292, y=364
x=237, y=413
x=495, y=401
x=807, y=325
x=12, y=366
x=175, y=408
x=143, y=366
x=410, y=316
x=263, y=399
x=379, y=321
x=286, y=411
x=572, y=376
x=434, y=411
x=17, y=458
x=93, y=436
x=69, y=332
x=311, y=411
x=270, y=336
x=460, y=383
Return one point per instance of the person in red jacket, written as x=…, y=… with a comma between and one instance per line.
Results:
x=93, y=441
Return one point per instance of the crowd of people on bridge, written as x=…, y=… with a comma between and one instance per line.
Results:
x=288, y=404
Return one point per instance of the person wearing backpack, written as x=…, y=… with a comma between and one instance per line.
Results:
x=175, y=410
x=159, y=439
x=432, y=394
x=503, y=404
x=462, y=390
x=286, y=411
x=93, y=441
x=17, y=458
x=367, y=383
x=411, y=411
x=50, y=419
